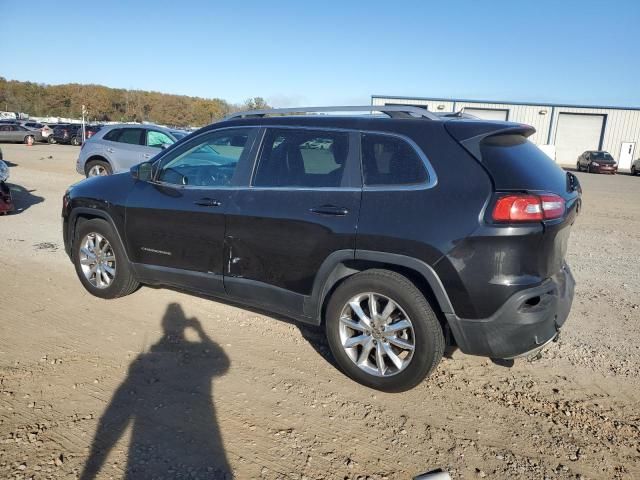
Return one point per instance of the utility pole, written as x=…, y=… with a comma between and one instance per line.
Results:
x=84, y=134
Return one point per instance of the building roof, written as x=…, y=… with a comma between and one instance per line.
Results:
x=504, y=102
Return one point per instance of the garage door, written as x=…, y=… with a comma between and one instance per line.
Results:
x=487, y=113
x=575, y=134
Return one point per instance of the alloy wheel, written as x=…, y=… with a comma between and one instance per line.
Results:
x=97, y=260
x=377, y=334
x=97, y=171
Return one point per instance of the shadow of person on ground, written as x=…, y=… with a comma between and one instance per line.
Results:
x=313, y=334
x=22, y=198
x=167, y=400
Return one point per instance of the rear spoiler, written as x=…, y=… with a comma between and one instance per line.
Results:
x=471, y=134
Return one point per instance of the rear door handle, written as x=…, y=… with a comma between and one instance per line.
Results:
x=207, y=202
x=329, y=210
x=147, y=155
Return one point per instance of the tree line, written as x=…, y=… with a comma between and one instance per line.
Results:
x=115, y=104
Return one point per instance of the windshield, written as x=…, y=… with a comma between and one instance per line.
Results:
x=601, y=156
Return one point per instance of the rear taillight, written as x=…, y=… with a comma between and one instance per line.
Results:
x=523, y=207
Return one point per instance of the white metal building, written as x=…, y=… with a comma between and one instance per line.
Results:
x=572, y=129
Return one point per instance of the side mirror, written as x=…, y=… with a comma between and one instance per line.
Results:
x=142, y=171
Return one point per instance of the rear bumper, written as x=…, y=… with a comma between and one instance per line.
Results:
x=602, y=169
x=526, y=321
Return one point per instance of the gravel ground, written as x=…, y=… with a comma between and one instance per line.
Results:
x=165, y=385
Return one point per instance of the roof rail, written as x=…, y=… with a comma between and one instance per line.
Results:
x=393, y=111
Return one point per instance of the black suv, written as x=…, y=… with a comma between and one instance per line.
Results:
x=399, y=235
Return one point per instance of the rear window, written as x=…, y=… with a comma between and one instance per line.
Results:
x=601, y=156
x=516, y=163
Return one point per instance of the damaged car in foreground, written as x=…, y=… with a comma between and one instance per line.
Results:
x=398, y=233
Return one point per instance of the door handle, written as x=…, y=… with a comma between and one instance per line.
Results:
x=110, y=150
x=147, y=155
x=207, y=202
x=329, y=210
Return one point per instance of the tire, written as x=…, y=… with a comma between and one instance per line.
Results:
x=26, y=140
x=426, y=331
x=97, y=168
x=75, y=141
x=578, y=167
x=633, y=171
x=51, y=140
x=122, y=281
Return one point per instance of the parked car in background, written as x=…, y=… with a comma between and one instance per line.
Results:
x=44, y=129
x=364, y=226
x=89, y=131
x=116, y=148
x=597, y=161
x=66, y=133
x=51, y=138
x=635, y=167
x=12, y=132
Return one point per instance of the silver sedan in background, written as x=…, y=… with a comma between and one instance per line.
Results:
x=11, y=132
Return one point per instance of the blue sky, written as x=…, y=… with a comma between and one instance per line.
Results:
x=332, y=52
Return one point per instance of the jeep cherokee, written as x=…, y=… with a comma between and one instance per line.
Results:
x=399, y=232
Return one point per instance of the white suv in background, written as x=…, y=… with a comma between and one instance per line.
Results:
x=116, y=148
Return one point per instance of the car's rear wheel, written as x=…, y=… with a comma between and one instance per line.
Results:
x=51, y=140
x=633, y=170
x=100, y=260
x=578, y=167
x=382, y=331
x=96, y=168
x=75, y=141
x=29, y=140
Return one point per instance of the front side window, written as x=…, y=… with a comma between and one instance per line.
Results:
x=130, y=136
x=210, y=162
x=302, y=158
x=158, y=139
x=388, y=160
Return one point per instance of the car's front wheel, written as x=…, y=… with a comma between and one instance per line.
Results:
x=51, y=140
x=100, y=260
x=382, y=331
x=75, y=141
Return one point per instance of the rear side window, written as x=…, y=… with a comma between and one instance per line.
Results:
x=112, y=135
x=302, y=158
x=131, y=136
x=388, y=160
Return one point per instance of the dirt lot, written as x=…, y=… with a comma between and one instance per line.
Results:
x=165, y=385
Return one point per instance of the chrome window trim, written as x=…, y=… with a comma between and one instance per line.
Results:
x=432, y=179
